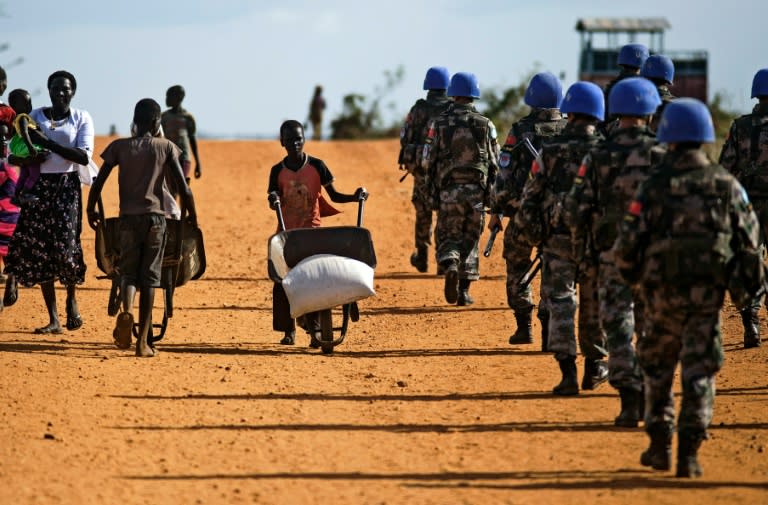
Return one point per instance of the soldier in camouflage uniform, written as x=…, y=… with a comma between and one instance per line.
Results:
x=411, y=146
x=689, y=234
x=543, y=95
x=661, y=72
x=541, y=220
x=630, y=61
x=745, y=155
x=602, y=190
x=460, y=156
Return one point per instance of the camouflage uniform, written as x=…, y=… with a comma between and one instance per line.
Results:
x=412, y=137
x=607, y=180
x=460, y=157
x=689, y=224
x=666, y=97
x=541, y=219
x=745, y=155
x=515, y=165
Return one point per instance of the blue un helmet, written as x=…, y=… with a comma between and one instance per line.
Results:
x=436, y=78
x=760, y=83
x=632, y=55
x=659, y=67
x=464, y=84
x=633, y=96
x=584, y=98
x=686, y=120
x=544, y=91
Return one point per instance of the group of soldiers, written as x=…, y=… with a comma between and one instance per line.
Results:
x=619, y=199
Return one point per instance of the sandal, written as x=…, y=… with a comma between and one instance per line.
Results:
x=123, y=332
x=11, y=291
x=74, y=320
x=51, y=329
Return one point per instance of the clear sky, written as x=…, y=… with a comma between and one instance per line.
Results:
x=247, y=65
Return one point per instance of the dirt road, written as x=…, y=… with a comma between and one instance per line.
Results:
x=424, y=403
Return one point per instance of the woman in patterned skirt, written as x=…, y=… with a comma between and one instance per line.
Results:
x=46, y=244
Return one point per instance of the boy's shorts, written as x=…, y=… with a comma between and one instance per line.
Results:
x=142, y=244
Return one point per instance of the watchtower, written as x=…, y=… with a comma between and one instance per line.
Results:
x=598, y=64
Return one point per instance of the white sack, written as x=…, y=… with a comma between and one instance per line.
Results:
x=324, y=281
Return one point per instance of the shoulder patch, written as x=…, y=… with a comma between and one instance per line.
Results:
x=535, y=167
x=582, y=170
x=635, y=208
x=511, y=140
x=492, y=130
x=504, y=159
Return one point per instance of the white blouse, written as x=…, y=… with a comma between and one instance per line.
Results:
x=76, y=130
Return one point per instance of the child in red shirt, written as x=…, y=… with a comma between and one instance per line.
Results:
x=298, y=180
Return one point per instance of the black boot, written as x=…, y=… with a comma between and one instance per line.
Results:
x=630, y=414
x=464, y=298
x=451, y=289
x=659, y=454
x=595, y=373
x=569, y=385
x=544, y=320
x=289, y=338
x=749, y=317
x=419, y=259
x=687, y=447
x=522, y=334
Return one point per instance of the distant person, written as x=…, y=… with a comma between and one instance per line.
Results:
x=179, y=127
x=745, y=155
x=21, y=146
x=689, y=234
x=9, y=213
x=660, y=70
x=145, y=161
x=630, y=61
x=543, y=95
x=316, y=108
x=46, y=244
x=461, y=161
x=411, y=146
x=298, y=181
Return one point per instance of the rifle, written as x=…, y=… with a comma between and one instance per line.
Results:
x=489, y=245
x=406, y=174
x=530, y=272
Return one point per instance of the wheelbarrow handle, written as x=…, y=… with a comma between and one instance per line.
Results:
x=274, y=203
x=361, y=198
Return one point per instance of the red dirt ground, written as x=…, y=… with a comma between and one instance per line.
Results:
x=424, y=403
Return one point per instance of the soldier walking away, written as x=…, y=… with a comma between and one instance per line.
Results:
x=412, y=137
x=661, y=72
x=689, y=234
x=544, y=95
x=460, y=158
x=630, y=60
x=316, y=108
x=745, y=155
x=602, y=190
x=541, y=220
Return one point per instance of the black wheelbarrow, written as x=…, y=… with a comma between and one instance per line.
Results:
x=289, y=248
x=183, y=261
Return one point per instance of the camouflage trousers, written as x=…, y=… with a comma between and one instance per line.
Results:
x=617, y=320
x=684, y=329
x=420, y=200
x=558, y=293
x=460, y=221
x=517, y=255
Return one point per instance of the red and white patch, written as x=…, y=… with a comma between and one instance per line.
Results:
x=511, y=140
x=635, y=208
x=582, y=170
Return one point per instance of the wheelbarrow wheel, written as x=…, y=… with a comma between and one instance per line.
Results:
x=113, y=306
x=326, y=331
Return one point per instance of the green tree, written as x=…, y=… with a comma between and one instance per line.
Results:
x=361, y=118
x=722, y=117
